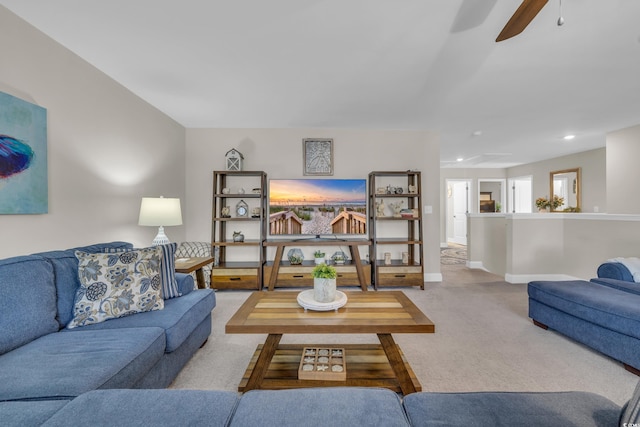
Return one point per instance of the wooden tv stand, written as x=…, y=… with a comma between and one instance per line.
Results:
x=351, y=243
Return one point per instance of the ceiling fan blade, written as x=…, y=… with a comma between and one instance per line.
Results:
x=521, y=18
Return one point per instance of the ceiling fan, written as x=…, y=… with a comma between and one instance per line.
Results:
x=521, y=18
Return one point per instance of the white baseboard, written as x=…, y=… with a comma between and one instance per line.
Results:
x=477, y=265
x=433, y=277
x=526, y=278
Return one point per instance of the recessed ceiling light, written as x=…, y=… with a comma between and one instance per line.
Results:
x=459, y=159
x=477, y=133
x=568, y=137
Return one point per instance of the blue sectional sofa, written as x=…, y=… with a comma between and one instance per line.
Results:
x=322, y=407
x=43, y=364
x=603, y=314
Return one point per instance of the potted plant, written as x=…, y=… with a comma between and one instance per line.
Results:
x=319, y=256
x=543, y=204
x=324, y=283
x=556, y=202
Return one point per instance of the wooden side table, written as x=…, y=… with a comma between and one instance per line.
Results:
x=187, y=265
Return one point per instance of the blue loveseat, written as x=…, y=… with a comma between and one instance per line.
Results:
x=42, y=360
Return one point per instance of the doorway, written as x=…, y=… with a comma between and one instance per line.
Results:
x=457, y=209
x=520, y=194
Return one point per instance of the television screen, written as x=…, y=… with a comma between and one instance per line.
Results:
x=317, y=206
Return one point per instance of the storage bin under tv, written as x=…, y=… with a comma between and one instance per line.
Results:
x=300, y=275
x=280, y=272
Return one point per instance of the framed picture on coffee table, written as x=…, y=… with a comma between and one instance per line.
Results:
x=317, y=156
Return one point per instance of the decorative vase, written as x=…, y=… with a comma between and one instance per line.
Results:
x=324, y=290
x=319, y=260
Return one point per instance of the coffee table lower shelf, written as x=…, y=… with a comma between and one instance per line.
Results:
x=367, y=366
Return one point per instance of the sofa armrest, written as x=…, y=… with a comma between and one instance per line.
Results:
x=622, y=285
x=614, y=270
x=185, y=283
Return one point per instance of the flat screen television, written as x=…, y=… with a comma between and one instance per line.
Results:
x=317, y=207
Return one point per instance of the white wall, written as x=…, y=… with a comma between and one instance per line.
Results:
x=623, y=173
x=106, y=148
x=593, y=164
x=278, y=152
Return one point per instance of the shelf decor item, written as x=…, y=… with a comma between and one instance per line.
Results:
x=324, y=283
x=238, y=236
x=242, y=209
x=339, y=257
x=319, y=257
x=295, y=256
x=233, y=160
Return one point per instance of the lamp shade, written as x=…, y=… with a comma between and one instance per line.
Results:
x=160, y=211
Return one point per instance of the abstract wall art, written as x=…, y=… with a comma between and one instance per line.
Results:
x=23, y=157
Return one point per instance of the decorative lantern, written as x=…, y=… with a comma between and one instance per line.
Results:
x=234, y=160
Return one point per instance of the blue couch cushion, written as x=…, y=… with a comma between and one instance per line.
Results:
x=615, y=270
x=108, y=408
x=65, y=267
x=27, y=301
x=483, y=409
x=67, y=364
x=622, y=285
x=610, y=308
x=331, y=406
x=27, y=414
x=177, y=318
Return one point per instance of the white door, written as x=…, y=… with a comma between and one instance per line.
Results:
x=520, y=195
x=460, y=196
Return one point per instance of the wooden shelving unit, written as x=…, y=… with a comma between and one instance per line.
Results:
x=396, y=235
x=228, y=273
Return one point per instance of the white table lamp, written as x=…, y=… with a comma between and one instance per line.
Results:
x=160, y=212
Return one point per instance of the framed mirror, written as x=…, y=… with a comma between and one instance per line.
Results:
x=566, y=185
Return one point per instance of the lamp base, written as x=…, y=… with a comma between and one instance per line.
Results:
x=161, y=238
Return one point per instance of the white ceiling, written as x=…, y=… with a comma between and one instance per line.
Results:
x=371, y=64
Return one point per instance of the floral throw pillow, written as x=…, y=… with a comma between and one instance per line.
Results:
x=116, y=284
x=167, y=268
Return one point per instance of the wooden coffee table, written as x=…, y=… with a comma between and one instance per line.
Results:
x=383, y=313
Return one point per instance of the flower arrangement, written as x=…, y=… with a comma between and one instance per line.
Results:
x=324, y=271
x=542, y=203
x=554, y=203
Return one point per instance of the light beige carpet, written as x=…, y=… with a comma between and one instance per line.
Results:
x=483, y=341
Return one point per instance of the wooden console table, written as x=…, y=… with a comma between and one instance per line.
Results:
x=353, y=248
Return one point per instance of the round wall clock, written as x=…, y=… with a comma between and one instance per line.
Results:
x=242, y=209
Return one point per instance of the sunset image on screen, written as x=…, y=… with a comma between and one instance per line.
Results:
x=317, y=206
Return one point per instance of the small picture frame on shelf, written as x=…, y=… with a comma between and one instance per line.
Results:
x=317, y=156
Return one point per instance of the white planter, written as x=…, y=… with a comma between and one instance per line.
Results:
x=319, y=260
x=324, y=290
